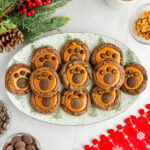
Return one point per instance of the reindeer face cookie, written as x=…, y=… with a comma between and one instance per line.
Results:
x=75, y=103
x=108, y=74
x=76, y=75
x=45, y=105
x=135, y=80
x=16, y=79
x=44, y=82
x=105, y=100
x=46, y=56
x=75, y=50
x=106, y=51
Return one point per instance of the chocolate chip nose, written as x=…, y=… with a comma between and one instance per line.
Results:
x=74, y=57
x=22, y=83
x=107, y=97
x=77, y=78
x=132, y=82
x=75, y=103
x=108, y=78
x=48, y=64
x=46, y=101
x=44, y=84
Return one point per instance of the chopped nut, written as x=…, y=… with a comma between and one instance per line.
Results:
x=142, y=25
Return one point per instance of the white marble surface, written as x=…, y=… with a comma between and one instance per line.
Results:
x=87, y=16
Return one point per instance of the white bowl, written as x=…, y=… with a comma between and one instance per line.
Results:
x=10, y=116
x=133, y=18
x=120, y=4
x=8, y=140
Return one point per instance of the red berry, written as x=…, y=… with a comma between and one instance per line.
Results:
x=24, y=5
x=32, y=12
x=24, y=9
x=48, y=2
x=20, y=1
x=21, y=12
x=18, y=8
x=33, y=5
x=39, y=4
x=27, y=1
x=38, y=1
x=28, y=14
x=29, y=6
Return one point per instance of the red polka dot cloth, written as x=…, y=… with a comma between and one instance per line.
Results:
x=135, y=135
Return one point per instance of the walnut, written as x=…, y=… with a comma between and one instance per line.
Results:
x=142, y=25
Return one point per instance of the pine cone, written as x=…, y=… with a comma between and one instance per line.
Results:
x=10, y=39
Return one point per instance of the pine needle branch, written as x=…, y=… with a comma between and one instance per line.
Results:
x=5, y=6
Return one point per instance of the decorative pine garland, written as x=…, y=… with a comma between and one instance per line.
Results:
x=34, y=26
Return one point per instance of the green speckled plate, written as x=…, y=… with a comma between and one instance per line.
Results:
x=60, y=117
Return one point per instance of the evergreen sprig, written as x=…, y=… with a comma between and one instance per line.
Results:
x=5, y=6
x=33, y=27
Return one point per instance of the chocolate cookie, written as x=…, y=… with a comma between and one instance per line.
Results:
x=46, y=56
x=75, y=49
x=105, y=100
x=135, y=80
x=16, y=79
x=44, y=82
x=108, y=74
x=76, y=75
x=75, y=103
x=106, y=51
x=45, y=105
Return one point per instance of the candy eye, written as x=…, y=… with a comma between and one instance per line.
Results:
x=22, y=72
x=76, y=50
x=81, y=51
x=77, y=69
x=50, y=77
x=108, y=69
x=28, y=75
x=44, y=74
x=39, y=77
x=130, y=72
x=70, y=97
x=41, y=59
x=114, y=71
x=102, y=55
x=75, y=93
x=69, y=50
x=16, y=75
x=46, y=56
x=101, y=72
x=53, y=58
x=99, y=92
x=71, y=71
x=108, y=53
x=114, y=55
x=82, y=71
x=136, y=74
x=80, y=95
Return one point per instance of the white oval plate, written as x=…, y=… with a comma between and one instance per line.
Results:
x=94, y=115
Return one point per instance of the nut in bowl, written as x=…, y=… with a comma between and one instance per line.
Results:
x=139, y=25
